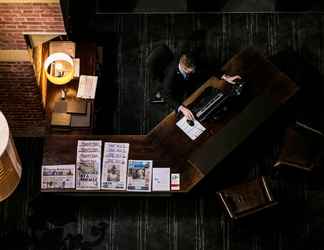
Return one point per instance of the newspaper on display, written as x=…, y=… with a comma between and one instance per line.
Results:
x=88, y=164
x=139, y=175
x=114, y=166
x=58, y=176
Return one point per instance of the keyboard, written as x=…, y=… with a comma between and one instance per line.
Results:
x=209, y=105
x=213, y=99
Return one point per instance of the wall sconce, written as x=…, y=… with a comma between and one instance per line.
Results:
x=59, y=68
x=10, y=165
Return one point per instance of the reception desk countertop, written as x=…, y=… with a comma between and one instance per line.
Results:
x=268, y=89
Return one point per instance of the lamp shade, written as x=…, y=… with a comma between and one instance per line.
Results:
x=60, y=59
x=10, y=166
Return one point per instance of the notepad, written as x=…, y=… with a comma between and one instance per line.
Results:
x=191, y=131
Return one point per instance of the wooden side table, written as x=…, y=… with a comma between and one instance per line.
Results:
x=61, y=100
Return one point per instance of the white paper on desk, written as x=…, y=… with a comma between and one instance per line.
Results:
x=87, y=87
x=161, y=179
x=192, y=131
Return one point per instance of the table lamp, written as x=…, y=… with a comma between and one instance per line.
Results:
x=59, y=68
x=10, y=165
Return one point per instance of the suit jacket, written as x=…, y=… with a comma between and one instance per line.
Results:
x=177, y=87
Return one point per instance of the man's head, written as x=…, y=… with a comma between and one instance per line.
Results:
x=187, y=63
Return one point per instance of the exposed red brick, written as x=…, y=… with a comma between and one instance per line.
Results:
x=20, y=102
x=28, y=17
x=20, y=98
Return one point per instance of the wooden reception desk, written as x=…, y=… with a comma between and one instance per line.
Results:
x=168, y=146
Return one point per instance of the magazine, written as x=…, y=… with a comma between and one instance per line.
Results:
x=114, y=166
x=88, y=164
x=58, y=176
x=139, y=175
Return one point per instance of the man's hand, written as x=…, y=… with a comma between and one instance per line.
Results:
x=187, y=113
x=231, y=79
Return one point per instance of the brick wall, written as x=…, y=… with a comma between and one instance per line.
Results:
x=20, y=98
x=16, y=19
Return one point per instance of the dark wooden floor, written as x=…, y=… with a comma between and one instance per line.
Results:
x=294, y=42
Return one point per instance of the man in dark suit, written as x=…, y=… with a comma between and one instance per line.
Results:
x=182, y=78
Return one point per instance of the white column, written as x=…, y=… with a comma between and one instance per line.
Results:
x=10, y=165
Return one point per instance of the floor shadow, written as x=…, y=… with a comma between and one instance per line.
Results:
x=107, y=89
x=309, y=98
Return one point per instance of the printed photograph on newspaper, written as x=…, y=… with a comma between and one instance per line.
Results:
x=139, y=175
x=114, y=168
x=88, y=164
x=58, y=177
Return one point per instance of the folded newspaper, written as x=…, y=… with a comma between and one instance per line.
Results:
x=114, y=166
x=139, y=175
x=58, y=177
x=88, y=164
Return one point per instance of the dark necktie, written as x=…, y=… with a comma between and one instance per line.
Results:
x=185, y=77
